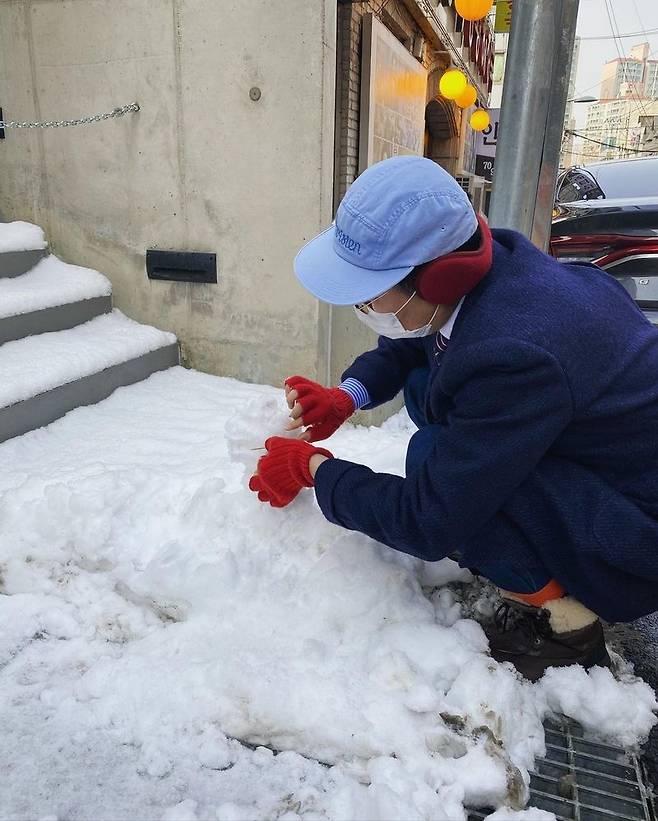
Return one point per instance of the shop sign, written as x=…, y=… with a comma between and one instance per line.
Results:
x=478, y=38
x=393, y=97
x=485, y=149
x=503, y=16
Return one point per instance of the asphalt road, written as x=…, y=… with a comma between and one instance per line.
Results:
x=638, y=642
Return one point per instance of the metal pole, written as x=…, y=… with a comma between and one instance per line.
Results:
x=524, y=114
x=565, y=22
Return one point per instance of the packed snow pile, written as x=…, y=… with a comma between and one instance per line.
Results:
x=51, y=282
x=173, y=649
x=20, y=236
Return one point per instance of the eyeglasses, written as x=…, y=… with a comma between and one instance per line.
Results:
x=366, y=307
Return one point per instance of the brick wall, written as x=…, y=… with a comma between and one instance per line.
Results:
x=349, y=337
x=399, y=21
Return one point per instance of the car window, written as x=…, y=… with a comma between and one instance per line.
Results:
x=630, y=178
x=578, y=184
x=611, y=180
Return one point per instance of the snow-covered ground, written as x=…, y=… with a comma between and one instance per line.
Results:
x=156, y=615
x=21, y=236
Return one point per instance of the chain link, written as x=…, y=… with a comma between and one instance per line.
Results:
x=96, y=118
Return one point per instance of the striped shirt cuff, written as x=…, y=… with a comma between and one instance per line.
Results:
x=357, y=391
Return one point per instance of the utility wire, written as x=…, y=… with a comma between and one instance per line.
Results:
x=600, y=83
x=610, y=145
x=634, y=110
x=641, y=22
x=614, y=27
x=628, y=115
x=639, y=19
x=643, y=33
x=613, y=130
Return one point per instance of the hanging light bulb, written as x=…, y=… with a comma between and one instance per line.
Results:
x=453, y=84
x=468, y=97
x=480, y=120
x=473, y=9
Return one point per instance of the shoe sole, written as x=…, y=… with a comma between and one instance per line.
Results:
x=600, y=660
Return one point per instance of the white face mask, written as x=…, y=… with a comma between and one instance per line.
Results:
x=388, y=324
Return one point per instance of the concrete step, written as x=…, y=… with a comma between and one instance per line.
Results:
x=58, y=318
x=22, y=245
x=43, y=377
x=15, y=263
x=52, y=296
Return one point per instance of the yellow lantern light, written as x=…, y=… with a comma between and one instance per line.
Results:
x=453, y=84
x=467, y=98
x=480, y=120
x=473, y=9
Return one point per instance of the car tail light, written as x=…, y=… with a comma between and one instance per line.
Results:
x=646, y=247
x=602, y=249
x=633, y=261
x=582, y=248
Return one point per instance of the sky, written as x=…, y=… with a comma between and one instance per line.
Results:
x=631, y=16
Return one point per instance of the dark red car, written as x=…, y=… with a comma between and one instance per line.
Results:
x=607, y=213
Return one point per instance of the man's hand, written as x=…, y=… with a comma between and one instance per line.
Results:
x=286, y=469
x=318, y=409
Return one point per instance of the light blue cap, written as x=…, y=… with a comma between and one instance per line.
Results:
x=399, y=213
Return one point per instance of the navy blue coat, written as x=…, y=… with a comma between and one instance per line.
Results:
x=547, y=401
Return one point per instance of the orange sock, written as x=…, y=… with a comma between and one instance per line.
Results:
x=550, y=591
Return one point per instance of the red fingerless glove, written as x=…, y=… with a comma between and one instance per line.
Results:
x=323, y=409
x=284, y=471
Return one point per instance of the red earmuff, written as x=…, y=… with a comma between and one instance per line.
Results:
x=445, y=280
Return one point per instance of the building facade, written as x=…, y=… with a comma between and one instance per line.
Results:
x=636, y=71
x=615, y=128
x=647, y=137
x=619, y=125
x=249, y=132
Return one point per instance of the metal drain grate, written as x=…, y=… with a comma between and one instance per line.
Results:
x=587, y=781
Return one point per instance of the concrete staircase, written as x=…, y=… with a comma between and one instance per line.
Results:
x=61, y=344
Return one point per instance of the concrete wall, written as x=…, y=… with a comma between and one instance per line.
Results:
x=200, y=167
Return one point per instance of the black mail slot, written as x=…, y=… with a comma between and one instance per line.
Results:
x=181, y=266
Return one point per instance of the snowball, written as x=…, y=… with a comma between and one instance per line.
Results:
x=247, y=430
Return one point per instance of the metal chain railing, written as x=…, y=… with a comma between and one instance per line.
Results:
x=95, y=118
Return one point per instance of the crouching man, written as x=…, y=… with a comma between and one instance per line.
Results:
x=534, y=386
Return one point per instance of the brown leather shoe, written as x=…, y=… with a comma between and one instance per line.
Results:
x=523, y=636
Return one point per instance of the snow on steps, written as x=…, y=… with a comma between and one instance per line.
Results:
x=43, y=377
x=21, y=236
x=21, y=246
x=52, y=296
